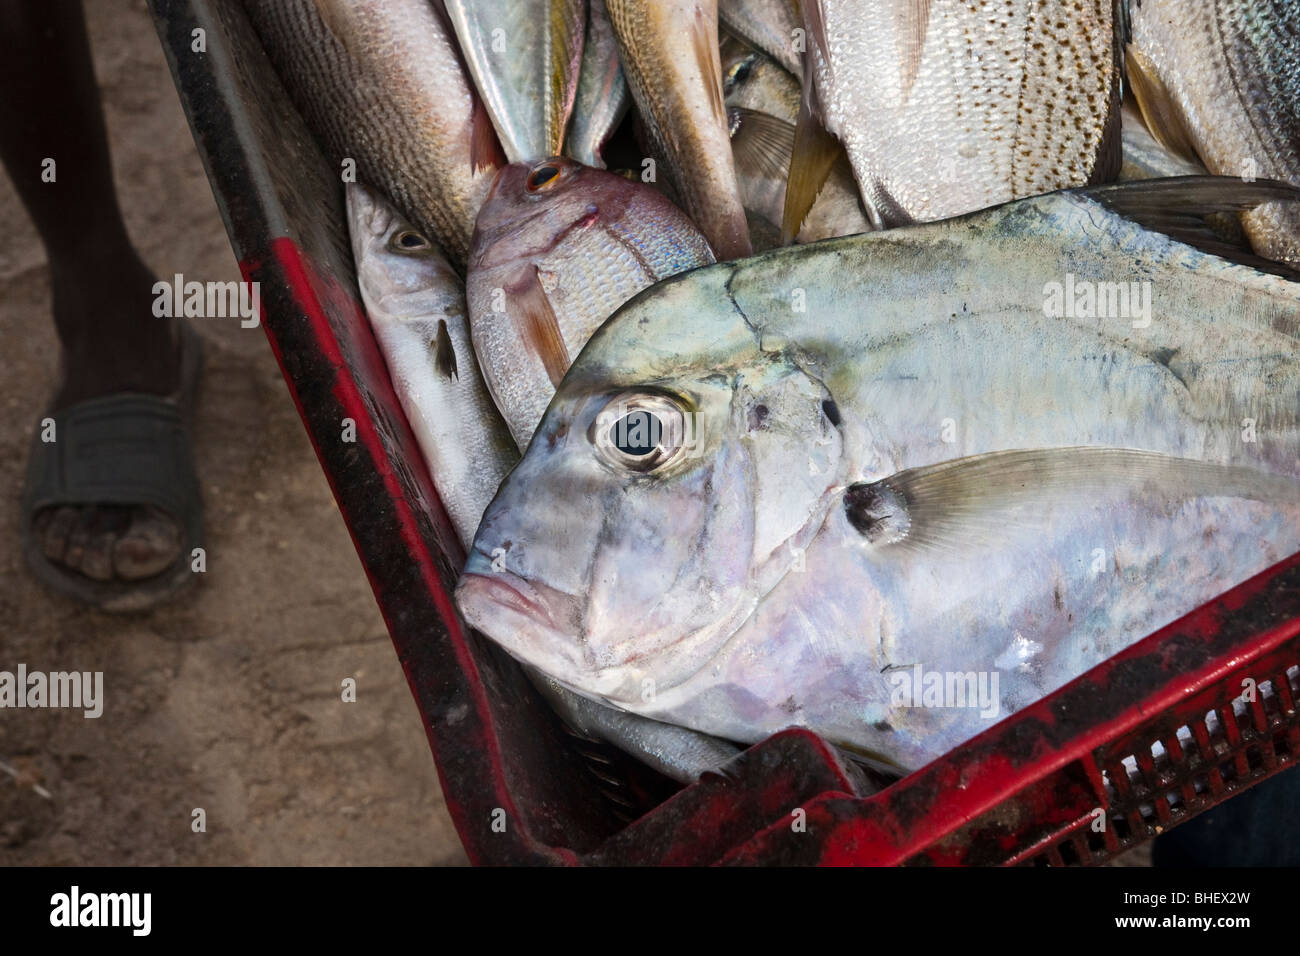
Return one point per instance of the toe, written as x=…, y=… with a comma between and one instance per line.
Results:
x=148, y=546
x=106, y=527
x=58, y=524
x=79, y=537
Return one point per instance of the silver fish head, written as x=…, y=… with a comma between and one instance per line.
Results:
x=400, y=271
x=676, y=475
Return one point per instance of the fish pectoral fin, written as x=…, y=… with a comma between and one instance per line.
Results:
x=531, y=311
x=973, y=503
x=1159, y=112
x=1180, y=207
x=485, y=150
x=704, y=44
x=762, y=144
x=444, y=356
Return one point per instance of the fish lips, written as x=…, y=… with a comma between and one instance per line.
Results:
x=528, y=620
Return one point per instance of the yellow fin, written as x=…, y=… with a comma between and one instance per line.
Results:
x=814, y=153
x=1159, y=111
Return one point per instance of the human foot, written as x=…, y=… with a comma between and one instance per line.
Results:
x=92, y=532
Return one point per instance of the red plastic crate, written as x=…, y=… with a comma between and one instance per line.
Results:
x=1027, y=790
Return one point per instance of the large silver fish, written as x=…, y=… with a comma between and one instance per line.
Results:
x=524, y=56
x=559, y=246
x=602, y=96
x=1222, y=78
x=416, y=306
x=380, y=82
x=948, y=106
x=670, y=57
x=989, y=453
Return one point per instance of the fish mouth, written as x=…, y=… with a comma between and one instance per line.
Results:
x=521, y=616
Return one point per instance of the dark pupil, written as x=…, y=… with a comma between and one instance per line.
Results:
x=543, y=176
x=637, y=434
x=410, y=240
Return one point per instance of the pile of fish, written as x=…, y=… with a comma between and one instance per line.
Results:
x=874, y=368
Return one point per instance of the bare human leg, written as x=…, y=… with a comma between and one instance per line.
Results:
x=102, y=291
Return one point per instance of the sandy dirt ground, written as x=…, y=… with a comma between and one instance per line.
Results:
x=228, y=700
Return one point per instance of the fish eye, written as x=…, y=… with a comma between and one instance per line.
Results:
x=739, y=72
x=641, y=432
x=543, y=176
x=408, y=240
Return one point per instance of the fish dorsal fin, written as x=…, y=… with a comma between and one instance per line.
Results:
x=762, y=143
x=1181, y=206
x=444, y=356
x=537, y=325
x=912, y=20
x=1162, y=116
x=972, y=503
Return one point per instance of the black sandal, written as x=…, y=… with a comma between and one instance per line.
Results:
x=122, y=449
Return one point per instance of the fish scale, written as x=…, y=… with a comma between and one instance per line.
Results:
x=950, y=106
x=1223, y=76
x=386, y=90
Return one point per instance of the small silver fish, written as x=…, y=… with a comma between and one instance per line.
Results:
x=980, y=455
x=670, y=57
x=753, y=81
x=416, y=304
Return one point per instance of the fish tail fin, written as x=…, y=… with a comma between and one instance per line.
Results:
x=567, y=25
